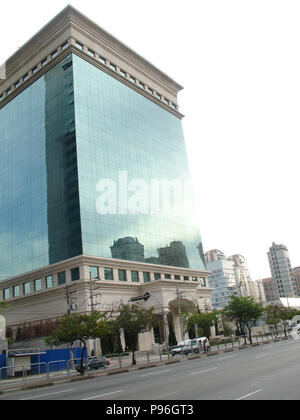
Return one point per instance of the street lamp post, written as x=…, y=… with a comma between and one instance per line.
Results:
x=178, y=297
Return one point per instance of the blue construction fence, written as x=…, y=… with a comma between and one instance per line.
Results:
x=55, y=360
x=2, y=360
x=2, y=364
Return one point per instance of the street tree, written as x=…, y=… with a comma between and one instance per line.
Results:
x=245, y=311
x=134, y=320
x=273, y=317
x=203, y=321
x=81, y=327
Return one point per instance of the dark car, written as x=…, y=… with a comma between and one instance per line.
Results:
x=93, y=363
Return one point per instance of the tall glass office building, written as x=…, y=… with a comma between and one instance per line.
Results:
x=78, y=129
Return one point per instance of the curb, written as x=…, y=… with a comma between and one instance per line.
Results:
x=114, y=372
x=170, y=362
x=147, y=366
x=213, y=353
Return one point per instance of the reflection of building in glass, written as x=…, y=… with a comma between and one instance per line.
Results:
x=131, y=249
x=173, y=255
x=128, y=249
x=152, y=260
x=201, y=253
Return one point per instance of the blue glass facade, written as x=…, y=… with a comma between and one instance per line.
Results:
x=23, y=183
x=39, y=204
x=69, y=130
x=120, y=130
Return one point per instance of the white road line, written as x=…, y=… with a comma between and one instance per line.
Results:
x=273, y=353
x=45, y=395
x=262, y=355
x=166, y=395
x=249, y=395
x=102, y=395
x=225, y=357
x=204, y=370
x=156, y=373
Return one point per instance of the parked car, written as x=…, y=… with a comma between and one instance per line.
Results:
x=184, y=342
x=296, y=331
x=93, y=363
x=200, y=344
x=181, y=349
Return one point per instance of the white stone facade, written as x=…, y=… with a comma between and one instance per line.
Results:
x=50, y=302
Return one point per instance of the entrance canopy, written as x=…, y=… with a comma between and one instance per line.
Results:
x=290, y=302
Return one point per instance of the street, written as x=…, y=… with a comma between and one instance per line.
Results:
x=266, y=372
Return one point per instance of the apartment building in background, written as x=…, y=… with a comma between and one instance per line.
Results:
x=230, y=276
x=283, y=278
x=270, y=290
x=296, y=272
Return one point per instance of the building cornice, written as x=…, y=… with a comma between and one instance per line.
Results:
x=71, y=26
x=86, y=25
x=72, y=50
x=105, y=262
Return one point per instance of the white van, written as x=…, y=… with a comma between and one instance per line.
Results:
x=200, y=344
x=184, y=343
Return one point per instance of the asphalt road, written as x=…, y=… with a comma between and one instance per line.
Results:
x=266, y=372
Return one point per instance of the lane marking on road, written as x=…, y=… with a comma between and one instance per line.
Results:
x=163, y=397
x=274, y=353
x=156, y=373
x=45, y=395
x=204, y=370
x=225, y=357
x=262, y=355
x=102, y=395
x=249, y=395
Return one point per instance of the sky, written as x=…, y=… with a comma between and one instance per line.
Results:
x=239, y=63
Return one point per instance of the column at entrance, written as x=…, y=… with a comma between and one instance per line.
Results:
x=177, y=328
x=166, y=330
x=122, y=338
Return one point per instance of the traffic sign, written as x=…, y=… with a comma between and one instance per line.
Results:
x=145, y=297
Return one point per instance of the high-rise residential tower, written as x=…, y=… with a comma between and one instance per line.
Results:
x=296, y=272
x=281, y=270
x=270, y=290
x=222, y=278
x=91, y=149
x=229, y=276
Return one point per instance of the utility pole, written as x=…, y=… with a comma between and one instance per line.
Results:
x=71, y=302
x=93, y=305
x=71, y=306
x=93, y=294
x=178, y=297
